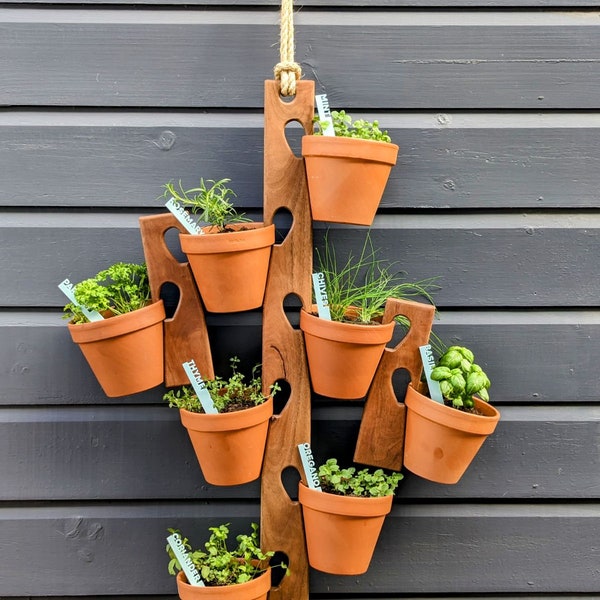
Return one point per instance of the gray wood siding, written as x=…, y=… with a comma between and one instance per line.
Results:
x=494, y=104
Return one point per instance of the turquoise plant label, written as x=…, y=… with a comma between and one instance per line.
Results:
x=325, y=115
x=66, y=287
x=199, y=387
x=321, y=296
x=308, y=464
x=185, y=561
x=184, y=217
x=428, y=363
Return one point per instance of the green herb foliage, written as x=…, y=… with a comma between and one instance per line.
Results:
x=364, y=483
x=211, y=200
x=460, y=378
x=345, y=127
x=358, y=289
x=228, y=395
x=120, y=289
x=219, y=566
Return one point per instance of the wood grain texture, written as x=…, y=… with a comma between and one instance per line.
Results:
x=91, y=540
x=415, y=60
x=447, y=159
x=144, y=453
x=367, y=4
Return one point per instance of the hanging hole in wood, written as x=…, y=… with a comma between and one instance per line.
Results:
x=282, y=396
x=293, y=134
x=400, y=381
x=277, y=572
x=173, y=245
x=291, y=306
x=283, y=221
x=290, y=478
x=400, y=330
x=170, y=295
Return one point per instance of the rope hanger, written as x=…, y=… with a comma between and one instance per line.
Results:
x=287, y=71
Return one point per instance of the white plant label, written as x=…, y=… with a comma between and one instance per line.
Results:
x=308, y=464
x=428, y=363
x=184, y=217
x=199, y=387
x=325, y=115
x=66, y=287
x=321, y=296
x=185, y=561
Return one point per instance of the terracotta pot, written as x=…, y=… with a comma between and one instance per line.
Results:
x=229, y=446
x=125, y=352
x=341, y=531
x=346, y=177
x=343, y=357
x=440, y=441
x=230, y=268
x=255, y=589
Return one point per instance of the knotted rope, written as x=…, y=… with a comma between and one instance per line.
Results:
x=286, y=70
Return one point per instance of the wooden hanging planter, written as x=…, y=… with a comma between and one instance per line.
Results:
x=230, y=268
x=341, y=531
x=441, y=441
x=125, y=352
x=255, y=589
x=229, y=446
x=346, y=177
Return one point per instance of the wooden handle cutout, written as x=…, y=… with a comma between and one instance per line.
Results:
x=381, y=436
x=186, y=336
x=284, y=356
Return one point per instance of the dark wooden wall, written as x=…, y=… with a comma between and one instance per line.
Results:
x=494, y=104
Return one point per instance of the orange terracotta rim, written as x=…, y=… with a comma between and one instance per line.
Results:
x=371, y=150
x=484, y=424
x=344, y=505
x=254, y=589
x=240, y=419
x=350, y=333
x=136, y=320
x=248, y=236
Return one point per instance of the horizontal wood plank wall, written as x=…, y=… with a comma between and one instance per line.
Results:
x=495, y=108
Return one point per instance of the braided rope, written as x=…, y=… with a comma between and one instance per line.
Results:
x=286, y=70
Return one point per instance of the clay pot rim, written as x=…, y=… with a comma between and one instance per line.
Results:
x=83, y=333
x=345, y=147
x=239, y=419
x=351, y=333
x=451, y=417
x=352, y=506
x=262, y=583
x=254, y=235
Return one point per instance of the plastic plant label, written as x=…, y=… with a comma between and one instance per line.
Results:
x=321, y=296
x=66, y=287
x=185, y=561
x=325, y=115
x=308, y=464
x=184, y=217
x=199, y=387
x=428, y=363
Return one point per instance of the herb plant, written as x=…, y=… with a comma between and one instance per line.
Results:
x=345, y=127
x=219, y=566
x=228, y=395
x=211, y=200
x=460, y=378
x=358, y=289
x=120, y=289
x=349, y=482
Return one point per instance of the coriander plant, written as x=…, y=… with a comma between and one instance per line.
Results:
x=120, y=289
x=460, y=378
x=211, y=200
x=219, y=566
x=349, y=482
x=228, y=395
x=345, y=127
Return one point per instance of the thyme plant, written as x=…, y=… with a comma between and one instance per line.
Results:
x=345, y=127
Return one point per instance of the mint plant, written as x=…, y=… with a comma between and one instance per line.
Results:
x=345, y=127
x=349, y=482
x=460, y=378
x=120, y=289
x=228, y=395
x=219, y=566
x=211, y=200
